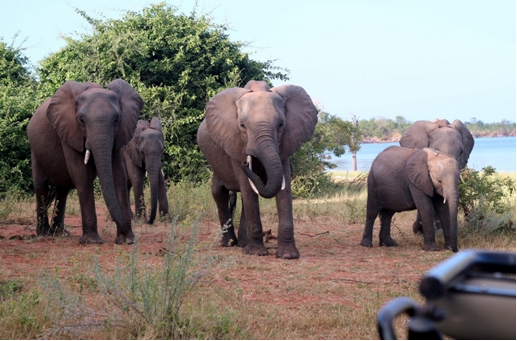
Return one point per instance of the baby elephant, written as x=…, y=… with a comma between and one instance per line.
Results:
x=403, y=179
x=143, y=155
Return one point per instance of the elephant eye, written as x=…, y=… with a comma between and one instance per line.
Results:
x=81, y=120
x=281, y=125
x=243, y=126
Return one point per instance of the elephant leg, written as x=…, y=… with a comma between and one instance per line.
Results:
x=42, y=191
x=424, y=205
x=88, y=215
x=385, y=232
x=251, y=210
x=58, y=226
x=243, y=229
x=129, y=199
x=284, y=205
x=372, y=211
x=417, y=225
x=138, y=191
x=162, y=196
x=120, y=182
x=221, y=197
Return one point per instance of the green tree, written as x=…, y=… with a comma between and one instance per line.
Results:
x=332, y=137
x=176, y=62
x=18, y=101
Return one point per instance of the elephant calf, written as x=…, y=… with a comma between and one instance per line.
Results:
x=403, y=179
x=143, y=154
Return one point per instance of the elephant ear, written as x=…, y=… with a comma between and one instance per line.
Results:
x=62, y=113
x=468, y=142
x=418, y=172
x=221, y=120
x=130, y=106
x=156, y=124
x=301, y=118
x=133, y=153
x=417, y=136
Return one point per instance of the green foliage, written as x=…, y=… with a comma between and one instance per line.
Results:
x=332, y=136
x=18, y=101
x=141, y=297
x=487, y=201
x=176, y=62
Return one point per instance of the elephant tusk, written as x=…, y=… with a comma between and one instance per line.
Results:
x=146, y=174
x=248, y=160
x=444, y=201
x=461, y=178
x=87, y=156
x=253, y=186
x=162, y=173
x=283, y=183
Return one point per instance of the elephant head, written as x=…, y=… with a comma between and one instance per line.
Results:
x=97, y=121
x=433, y=172
x=146, y=147
x=453, y=139
x=261, y=127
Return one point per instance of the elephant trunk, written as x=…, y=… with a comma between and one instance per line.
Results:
x=453, y=211
x=102, y=149
x=153, y=168
x=269, y=157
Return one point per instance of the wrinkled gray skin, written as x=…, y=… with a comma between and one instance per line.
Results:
x=452, y=139
x=83, y=117
x=268, y=125
x=144, y=154
x=403, y=179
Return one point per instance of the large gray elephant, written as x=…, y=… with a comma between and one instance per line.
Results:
x=452, y=139
x=76, y=135
x=402, y=179
x=247, y=137
x=143, y=154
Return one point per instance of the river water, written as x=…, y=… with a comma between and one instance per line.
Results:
x=498, y=152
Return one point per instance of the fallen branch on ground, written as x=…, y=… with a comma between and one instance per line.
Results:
x=312, y=235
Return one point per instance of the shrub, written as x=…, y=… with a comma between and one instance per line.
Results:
x=487, y=201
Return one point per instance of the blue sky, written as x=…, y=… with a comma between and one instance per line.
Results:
x=418, y=59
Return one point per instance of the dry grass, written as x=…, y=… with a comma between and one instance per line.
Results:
x=333, y=291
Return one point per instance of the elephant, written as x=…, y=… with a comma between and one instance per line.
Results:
x=402, y=179
x=453, y=139
x=76, y=135
x=247, y=137
x=143, y=155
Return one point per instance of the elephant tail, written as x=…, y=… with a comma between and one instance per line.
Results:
x=51, y=195
x=232, y=202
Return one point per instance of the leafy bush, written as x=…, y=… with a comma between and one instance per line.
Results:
x=487, y=201
x=18, y=101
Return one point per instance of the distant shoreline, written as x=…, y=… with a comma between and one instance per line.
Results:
x=377, y=140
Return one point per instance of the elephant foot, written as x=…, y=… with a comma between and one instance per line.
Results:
x=417, y=227
x=288, y=251
x=389, y=242
x=366, y=242
x=228, y=239
x=431, y=247
x=91, y=238
x=449, y=247
x=128, y=239
x=242, y=242
x=255, y=249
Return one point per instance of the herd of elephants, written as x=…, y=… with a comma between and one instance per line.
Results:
x=87, y=130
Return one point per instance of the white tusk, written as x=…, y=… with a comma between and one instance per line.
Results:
x=87, y=156
x=283, y=183
x=248, y=160
x=253, y=186
x=146, y=174
x=444, y=200
x=162, y=173
x=461, y=178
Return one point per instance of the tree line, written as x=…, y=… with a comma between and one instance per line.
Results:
x=385, y=129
